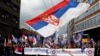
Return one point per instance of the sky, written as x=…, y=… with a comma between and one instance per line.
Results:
x=32, y=8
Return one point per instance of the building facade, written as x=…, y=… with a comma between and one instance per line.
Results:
x=9, y=16
x=88, y=22
x=70, y=28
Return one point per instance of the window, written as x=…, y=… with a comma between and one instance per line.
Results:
x=90, y=1
x=98, y=18
x=76, y=28
x=93, y=21
x=79, y=26
x=89, y=22
x=86, y=24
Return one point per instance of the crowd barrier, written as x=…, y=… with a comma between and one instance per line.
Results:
x=59, y=52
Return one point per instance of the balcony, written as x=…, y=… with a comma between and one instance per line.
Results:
x=88, y=24
x=16, y=2
x=8, y=19
x=9, y=9
x=9, y=23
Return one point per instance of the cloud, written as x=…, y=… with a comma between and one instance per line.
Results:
x=29, y=9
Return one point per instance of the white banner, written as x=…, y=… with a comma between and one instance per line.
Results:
x=71, y=52
x=59, y=52
x=36, y=51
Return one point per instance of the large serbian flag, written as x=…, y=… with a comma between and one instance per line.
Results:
x=49, y=21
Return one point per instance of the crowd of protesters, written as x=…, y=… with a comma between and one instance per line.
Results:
x=13, y=43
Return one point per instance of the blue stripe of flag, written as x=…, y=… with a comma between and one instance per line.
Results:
x=60, y=12
x=39, y=24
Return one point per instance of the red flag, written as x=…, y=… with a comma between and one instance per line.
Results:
x=23, y=37
x=9, y=40
x=9, y=36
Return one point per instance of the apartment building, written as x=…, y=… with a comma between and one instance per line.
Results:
x=9, y=16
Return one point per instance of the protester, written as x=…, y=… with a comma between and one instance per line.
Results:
x=83, y=47
x=77, y=39
x=93, y=43
x=61, y=42
x=97, y=48
x=7, y=45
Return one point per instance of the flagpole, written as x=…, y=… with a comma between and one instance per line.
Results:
x=57, y=32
